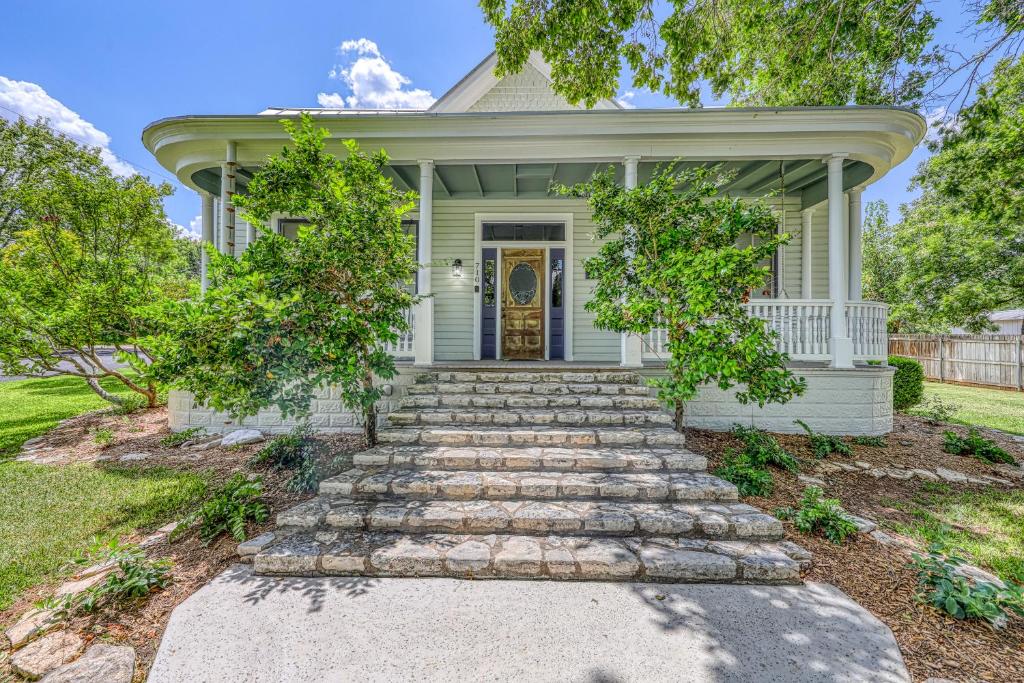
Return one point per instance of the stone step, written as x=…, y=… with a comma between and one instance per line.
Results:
x=630, y=437
x=532, y=376
x=662, y=560
x=508, y=417
x=551, y=459
x=468, y=485
x=483, y=400
x=427, y=388
x=735, y=521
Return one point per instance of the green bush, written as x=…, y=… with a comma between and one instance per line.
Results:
x=818, y=515
x=286, y=451
x=131, y=403
x=175, y=439
x=824, y=444
x=873, y=441
x=907, y=383
x=941, y=585
x=977, y=445
x=761, y=449
x=230, y=509
x=749, y=478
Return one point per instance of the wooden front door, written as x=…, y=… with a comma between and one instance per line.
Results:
x=522, y=304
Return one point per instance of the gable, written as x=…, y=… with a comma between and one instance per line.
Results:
x=529, y=90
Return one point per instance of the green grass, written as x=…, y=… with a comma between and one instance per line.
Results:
x=985, y=526
x=981, y=407
x=31, y=407
x=49, y=513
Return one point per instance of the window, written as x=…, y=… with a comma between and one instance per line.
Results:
x=490, y=282
x=289, y=227
x=557, y=265
x=523, y=232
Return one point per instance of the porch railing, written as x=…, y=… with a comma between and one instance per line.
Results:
x=804, y=327
x=403, y=348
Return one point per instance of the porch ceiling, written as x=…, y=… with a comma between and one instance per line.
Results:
x=804, y=178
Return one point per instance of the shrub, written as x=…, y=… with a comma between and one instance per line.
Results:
x=286, y=451
x=873, y=441
x=761, y=449
x=818, y=515
x=824, y=444
x=907, y=383
x=941, y=585
x=229, y=510
x=936, y=411
x=134, y=577
x=177, y=438
x=131, y=403
x=750, y=479
x=977, y=445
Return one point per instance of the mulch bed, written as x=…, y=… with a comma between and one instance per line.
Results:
x=877, y=576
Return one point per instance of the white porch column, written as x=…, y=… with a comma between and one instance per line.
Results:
x=854, y=252
x=204, y=258
x=227, y=206
x=842, y=345
x=806, y=272
x=423, y=340
x=632, y=348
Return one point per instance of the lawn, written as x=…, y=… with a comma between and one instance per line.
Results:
x=986, y=527
x=978, y=406
x=50, y=513
x=31, y=407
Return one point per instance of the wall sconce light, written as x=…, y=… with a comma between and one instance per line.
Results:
x=457, y=268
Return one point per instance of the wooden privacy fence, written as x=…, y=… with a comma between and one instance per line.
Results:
x=985, y=359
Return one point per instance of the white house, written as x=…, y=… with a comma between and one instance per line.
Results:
x=504, y=256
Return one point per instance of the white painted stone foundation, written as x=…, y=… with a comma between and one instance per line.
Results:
x=837, y=401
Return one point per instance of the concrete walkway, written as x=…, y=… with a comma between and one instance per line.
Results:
x=242, y=627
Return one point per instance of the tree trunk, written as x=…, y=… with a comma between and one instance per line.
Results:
x=680, y=417
x=103, y=393
x=151, y=395
x=370, y=415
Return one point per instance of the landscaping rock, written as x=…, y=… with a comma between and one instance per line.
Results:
x=37, y=659
x=240, y=437
x=207, y=445
x=863, y=465
x=254, y=545
x=129, y=457
x=864, y=526
x=813, y=481
x=100, y=664
x=925, y=474
x=31, y=624
x=84, y=583
x=950, y=475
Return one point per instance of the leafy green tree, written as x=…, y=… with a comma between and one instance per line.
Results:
x=89, y=249
x=770, y=52
x=292, y=316
x=962, y=240
x=672, y=260
x=883, y=263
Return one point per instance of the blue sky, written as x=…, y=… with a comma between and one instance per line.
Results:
x=101, y=71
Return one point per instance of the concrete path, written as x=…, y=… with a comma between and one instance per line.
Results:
x=242, y=627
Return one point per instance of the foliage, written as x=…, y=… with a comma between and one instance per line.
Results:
x=230, y=508
x=977, y=445
x=285, y=451
x=769, y=53
x=672, y=259
x=103, y=437
x=942, y=586
x=750, y=478
x=938, y=410
x=90, y=248
x=292, y=316
x=818, y=515
x=963, y=238
x=907, y=382
x=824, y=445
x=132, y=403
x=134, y=577
x=873, y=441
x=762, y=449
x=883, y=263
x=49, y=513
x=175, y=439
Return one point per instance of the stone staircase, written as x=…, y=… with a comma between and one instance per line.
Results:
x=531, y=474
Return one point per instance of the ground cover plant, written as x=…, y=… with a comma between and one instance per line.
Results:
x=977, y=445
x=824, y=445
x=230, y=510
x=941, y=585
x=747, y=467
x=819, y=515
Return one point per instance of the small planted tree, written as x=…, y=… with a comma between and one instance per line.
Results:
x=290, y=317
x=86, y=251
x=680, y=257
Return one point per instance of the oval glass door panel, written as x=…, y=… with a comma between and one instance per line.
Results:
x=522, y=283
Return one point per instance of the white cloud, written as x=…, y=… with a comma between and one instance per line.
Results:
x=371, y=81
x=32, y=102
x=937, y=119
x=625, y=100
x=194, y=231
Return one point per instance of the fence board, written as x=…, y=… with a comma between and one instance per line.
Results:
x=983, y=359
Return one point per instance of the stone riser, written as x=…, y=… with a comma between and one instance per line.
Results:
x=560, y=377
x=465, y=485
x=521, y=388
x=519, y=401
x=532, y=518
x=537, y=436
x=524, y=557
x=511, y=417
x=536, y=458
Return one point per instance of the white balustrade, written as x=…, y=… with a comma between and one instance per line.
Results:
x=403, y=348
x=867, y=323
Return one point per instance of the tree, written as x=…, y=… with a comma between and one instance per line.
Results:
x=883, y=264
x=88, y=250
x=671, y=261
x=963, y=239
x=293, y=316
x=30, y=156
x=770, y=53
